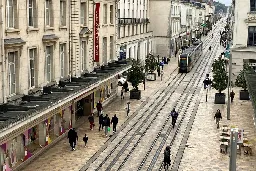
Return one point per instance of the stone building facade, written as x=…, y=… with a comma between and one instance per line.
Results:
x=244, y=35
x=134, y=38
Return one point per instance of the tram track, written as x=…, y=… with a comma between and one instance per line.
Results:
x=139, y=128
x=167, y=127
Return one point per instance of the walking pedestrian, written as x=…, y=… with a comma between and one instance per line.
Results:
x=85, y=139
x=99, y=108
x=167, y=157
x=72, y=136
x=114, y=121
x=122, y=93
x=91, y=120
x=125, y=85
x=218, y=117
x=128, y=108
x=101, y=118
x=174, y=116
x=158, y=71
x=162, y=74
x=106, y=124
x=162, y=65
x=232, y=95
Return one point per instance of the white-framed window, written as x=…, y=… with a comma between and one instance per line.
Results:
x=11, y=13
x=83, y=55
x=111, y=50
x=111, y=14
x=31, y=10
x=63, y=7
x=83, y=13
x=48, y=63
x=12, y=57
x=48, y=13
x=62, y=59
x=32, y=59
x=105, y=12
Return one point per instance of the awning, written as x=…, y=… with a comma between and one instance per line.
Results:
x=84, y=31
x=14, y=42
x=50, y=38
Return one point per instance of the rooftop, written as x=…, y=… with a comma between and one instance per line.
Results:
x=30, y=105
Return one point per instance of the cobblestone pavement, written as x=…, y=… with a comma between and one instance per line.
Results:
x=203, y=152
x=60, y=158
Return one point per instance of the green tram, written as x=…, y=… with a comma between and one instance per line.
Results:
x=189, y=57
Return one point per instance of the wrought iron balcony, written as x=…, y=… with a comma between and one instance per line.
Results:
x=127, y=21
x=251, y=17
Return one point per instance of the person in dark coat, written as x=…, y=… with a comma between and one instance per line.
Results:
x=91, y=120
x=174, y=116
x=114, y=121
x=232, y=95
x=106, y=122
x=125, y=85
x=167, y=157
x=99, y=108
x=72, y=136
x=101, y=121
x=218, y=118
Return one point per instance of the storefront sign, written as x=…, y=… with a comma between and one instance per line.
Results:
x=96, y=32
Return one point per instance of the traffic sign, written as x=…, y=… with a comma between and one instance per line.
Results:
x=203, y=25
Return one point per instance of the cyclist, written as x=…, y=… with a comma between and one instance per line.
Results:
x=174, y=115
x=218, y=117
x=167, y=157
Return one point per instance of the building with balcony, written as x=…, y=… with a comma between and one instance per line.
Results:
x=244, y=35
x=57, y=61
x=134, y=38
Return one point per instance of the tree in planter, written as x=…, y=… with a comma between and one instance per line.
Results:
x=135, y=74
x=220, y=78
x=150, y=64
x=240, y=80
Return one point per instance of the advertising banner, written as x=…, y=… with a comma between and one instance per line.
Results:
x=96, y=32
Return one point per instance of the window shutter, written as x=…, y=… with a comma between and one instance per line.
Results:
x=51, y=13
x=35, y=13
x=16, y=15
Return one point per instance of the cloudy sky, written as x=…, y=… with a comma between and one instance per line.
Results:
x=227, y=2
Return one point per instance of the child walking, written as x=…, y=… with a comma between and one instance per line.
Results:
x=85, y=139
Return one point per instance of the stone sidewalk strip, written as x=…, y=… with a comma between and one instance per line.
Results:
x=61, y=158
x=203, y=146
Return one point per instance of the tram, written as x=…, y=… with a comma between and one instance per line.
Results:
x=189, y=57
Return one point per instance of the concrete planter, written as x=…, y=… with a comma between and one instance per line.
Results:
x=135, y=94
x=151, y=76
x=220, y=98
x=244, y=95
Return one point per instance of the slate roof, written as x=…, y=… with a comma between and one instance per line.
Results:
x=34, y=104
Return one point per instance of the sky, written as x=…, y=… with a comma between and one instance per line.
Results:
x=226, y=2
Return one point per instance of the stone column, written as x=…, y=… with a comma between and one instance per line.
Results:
x=73, y=116
x=66, y=118
x=57, y=124
x=42, y=133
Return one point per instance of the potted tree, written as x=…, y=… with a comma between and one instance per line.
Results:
x=241, y=82
x=220, y=80
x=150, y=67
x=135, y=76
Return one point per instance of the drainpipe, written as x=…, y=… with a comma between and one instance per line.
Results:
x=93, y=32
x=70, y=42
x=2, y=50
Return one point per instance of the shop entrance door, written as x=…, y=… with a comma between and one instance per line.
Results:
x=88, y=105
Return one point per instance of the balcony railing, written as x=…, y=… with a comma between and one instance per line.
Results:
x=251, y=17
x=127, y=21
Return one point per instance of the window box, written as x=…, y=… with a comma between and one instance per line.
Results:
x=48, y=28
x=31, y=29
x=9, y=30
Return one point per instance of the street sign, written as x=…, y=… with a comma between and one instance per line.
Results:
x=227, y=54
x=203, y=25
